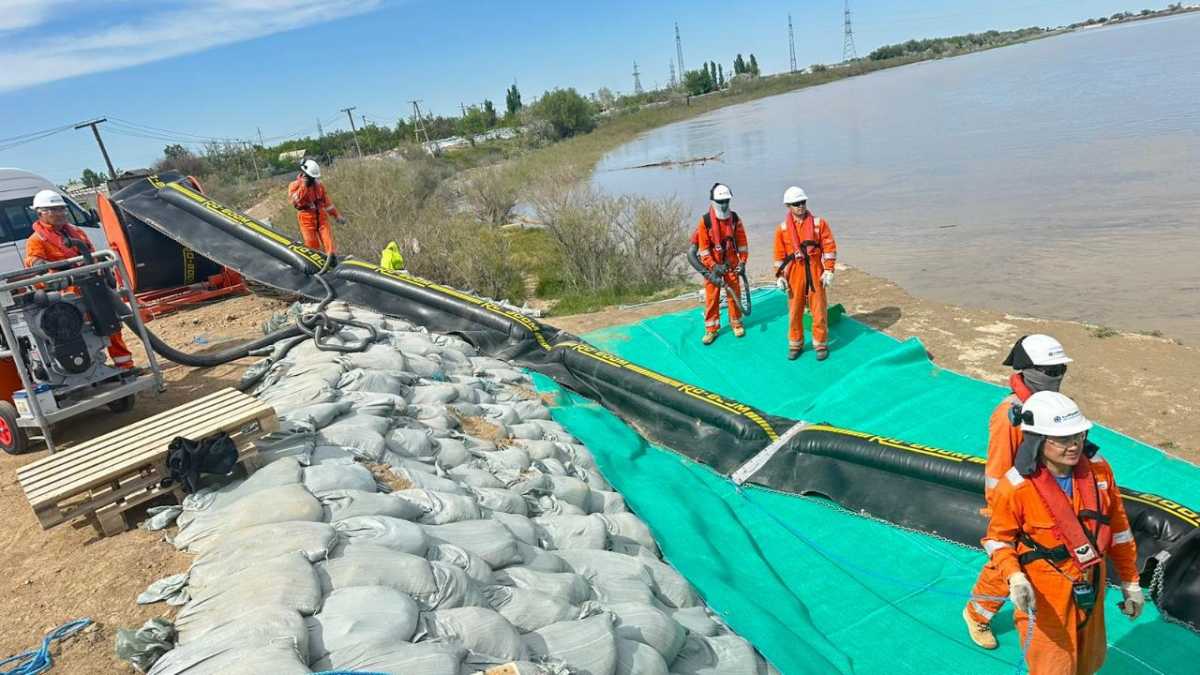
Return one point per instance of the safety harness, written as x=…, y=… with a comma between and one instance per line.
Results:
x=800, y=250
x=726, y=244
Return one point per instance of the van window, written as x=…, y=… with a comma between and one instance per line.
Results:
x=78, y=217
x=19, y=217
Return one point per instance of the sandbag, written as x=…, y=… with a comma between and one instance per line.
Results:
x=272, y=505
x=696, y=620
x=650, y=626
x=426, y=658
x=376, y=404
x=526, y=430
x=367, y=565
x=284, y=401
x=538, y=449
x=475, y=567
x=316, y=416
x=612, y=590
x=343, y=504
x=358, y=419
x=240, y=549
x=327, y=478
x=286, y=471
x=484, y=632
x=441, y=393
x=412, y=443
x=372, y=381
x=720, y=655
x=529, y=609
x=287, y=581
x=360, y=614
x=637, y=658
x=365, y=441
x=566, y=585
x=512, y=458
x=672, y=588
x=451, y=452
x=497, y=413
x=628, y=534
x=424, y=481
x=454, y=589
x=521, y=527
x=268, y=657
x=439, y=508
x=376, y=357
x=500, y=500
x=474, y=477
x=589, y=646
x=539, y=559
x=572, y=532
x=384, y=531
x=603, y=501
x=571, y=490
x=532, y=409
x=488, y=539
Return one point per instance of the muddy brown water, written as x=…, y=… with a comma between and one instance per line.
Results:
x=1056, y=178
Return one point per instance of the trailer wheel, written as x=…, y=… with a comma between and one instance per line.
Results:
x=12, y=437
x=123, y=404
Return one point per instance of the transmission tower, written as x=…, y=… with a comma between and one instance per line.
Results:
x=679, y=51
x=791, y=44
x=673, y=84
x=848, y=52
x=637, y=80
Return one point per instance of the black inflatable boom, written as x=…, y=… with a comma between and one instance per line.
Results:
x=914, y=486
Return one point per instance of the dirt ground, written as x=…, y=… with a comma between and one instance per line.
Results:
x=1145, y=386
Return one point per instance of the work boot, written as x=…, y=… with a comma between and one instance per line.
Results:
x=709, y=337
x=822, y=353
x=794, y=352
x=981, y=633
x=739, y=331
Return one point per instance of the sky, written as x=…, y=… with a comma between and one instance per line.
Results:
x=190, y=70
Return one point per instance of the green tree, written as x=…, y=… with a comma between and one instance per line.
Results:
x=720, y=76
x=512, y=100
x=712, y=72
x=753, y=68
x=472, y=123
x=696, y=82
x=489, y=113
x=92, y=179
x=739, y=65
x=566, y=111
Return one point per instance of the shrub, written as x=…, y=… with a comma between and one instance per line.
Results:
x=567, y=112
x=492, y=192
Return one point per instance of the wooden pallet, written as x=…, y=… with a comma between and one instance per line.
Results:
x=101, y=479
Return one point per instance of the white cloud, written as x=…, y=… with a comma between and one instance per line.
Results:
x=185, y=28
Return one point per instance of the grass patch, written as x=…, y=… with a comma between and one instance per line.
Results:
x=1103, y=332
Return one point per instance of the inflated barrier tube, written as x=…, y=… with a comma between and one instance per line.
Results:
x=919, y=487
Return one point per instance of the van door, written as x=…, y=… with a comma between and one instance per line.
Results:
x=15, y=228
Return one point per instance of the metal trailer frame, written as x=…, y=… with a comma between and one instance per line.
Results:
x=65, y=269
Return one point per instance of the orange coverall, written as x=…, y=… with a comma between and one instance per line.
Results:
x=47, y=245
x=1003, y=440
x=1061, y=646
x=816, y=259
x=313, y=210
x=717, y=246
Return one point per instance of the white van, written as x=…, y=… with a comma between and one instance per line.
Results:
x=17, y=188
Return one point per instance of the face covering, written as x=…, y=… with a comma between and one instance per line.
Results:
x=722, y=210
x=1037, y=381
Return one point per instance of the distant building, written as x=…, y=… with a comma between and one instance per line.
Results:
x=293, y=156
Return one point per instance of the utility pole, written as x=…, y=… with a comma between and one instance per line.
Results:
x=112, y=172
x=320, y=131
x=848, y=51
x=253, y=156
x=419, y=123
x=364, y=121
x=353, y=131
x=672, y=74
x=637, y=80
x=679, y=52
x=791, y=43
x=260, y=138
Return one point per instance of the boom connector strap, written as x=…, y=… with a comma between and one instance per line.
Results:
x=763, y=456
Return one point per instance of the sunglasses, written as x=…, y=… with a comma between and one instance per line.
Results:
x=800, y=203
x=1053, y=371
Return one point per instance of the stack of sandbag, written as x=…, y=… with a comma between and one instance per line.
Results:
x=420, y=512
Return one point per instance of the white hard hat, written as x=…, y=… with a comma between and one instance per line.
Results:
x=311, y=168
x=1036, y=350
x=720, y=192
x=793, y=195
x=1050, y=413
x=47, y=199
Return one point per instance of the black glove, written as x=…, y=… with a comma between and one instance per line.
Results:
x=719, y=269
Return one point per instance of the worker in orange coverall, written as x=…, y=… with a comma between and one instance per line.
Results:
x=1057, y=518
x=721, y=240
x=313, y=207
x=54, y=239
x=805, y=255
x=1040, y=363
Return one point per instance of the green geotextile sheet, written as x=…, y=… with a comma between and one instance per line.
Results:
x=833, y=591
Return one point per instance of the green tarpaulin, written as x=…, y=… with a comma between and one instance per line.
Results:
x=847, y=593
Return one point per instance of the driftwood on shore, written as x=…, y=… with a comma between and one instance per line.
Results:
x=683, y=162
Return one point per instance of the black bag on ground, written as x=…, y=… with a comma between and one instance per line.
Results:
x=188, y=459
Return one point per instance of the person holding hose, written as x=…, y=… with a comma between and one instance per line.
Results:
x=721, y=241
x=313, y=207
x=54, y=239
x=1057, y=518
x=1040, y=363
x=805, y=255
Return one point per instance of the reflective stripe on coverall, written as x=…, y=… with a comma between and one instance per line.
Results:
x=819, y=260
x=1061, y=645
x=46, y=245
x=1004, y=438
x=313, y=210
x=713, y=249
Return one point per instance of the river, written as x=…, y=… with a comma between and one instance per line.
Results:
x=1057, y=178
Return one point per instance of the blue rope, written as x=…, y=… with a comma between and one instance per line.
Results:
x=37, y=661
x=851, y=565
